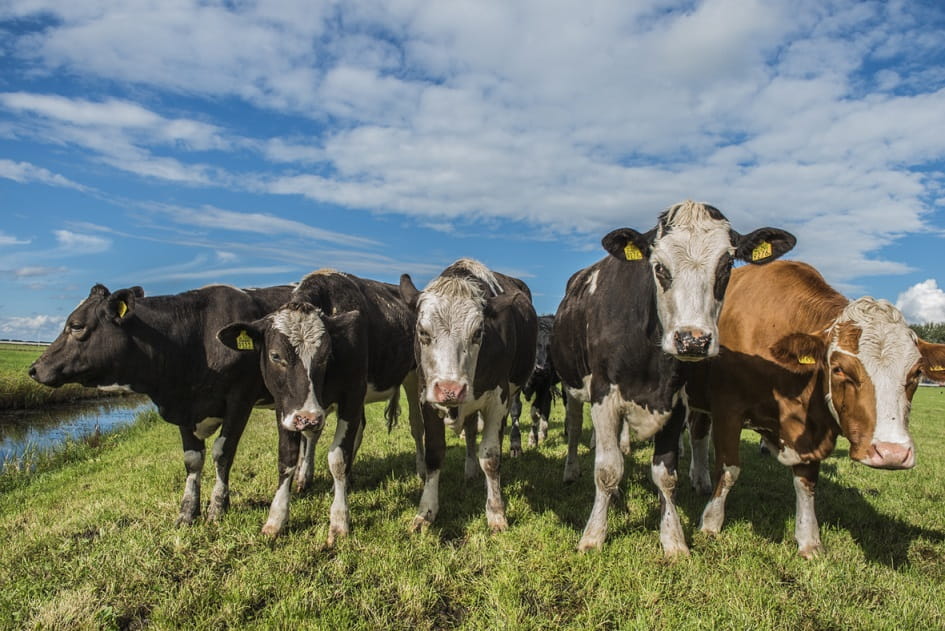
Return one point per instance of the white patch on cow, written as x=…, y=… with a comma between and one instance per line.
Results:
x=699, y=476
x=887, y=351
x=690, y=250
x=450, y=312
x=592, y=283
x=116, y=388
x=806, y=529
x=788, y=456
x=430, y=500
x=714, y=513
x=306, y=332
x=671, y=533
x=205, y=428
x=339, y=516
x=642, y=421
x=374, y=395
x=279, y=509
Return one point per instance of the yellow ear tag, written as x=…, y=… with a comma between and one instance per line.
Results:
x=936, y=368
x=244, y=342
x=805, y=359
x=761, y=251
x=122, y=308
x=632, y=253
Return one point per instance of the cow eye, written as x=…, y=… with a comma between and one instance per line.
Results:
x=663, y=275
x=838, y=371
x=476, y=337
x=275, y=357
x=423, y=336
x=76, y=327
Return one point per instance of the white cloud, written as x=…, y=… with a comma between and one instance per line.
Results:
x=33, y=271
x=31, y=328
x=923, y=302
x=74, y=243
x=6, y=239
x=24, y=172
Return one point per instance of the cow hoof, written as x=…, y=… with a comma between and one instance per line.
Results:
x=515, y=452
x=271, y=530
x=333, y=535
x=498, y=524
x=419, y=524
x=184, y=520
x=586, y=544
x=702, y=486
x=673, y=554
x=571, y=474
x=471, y=471
x=217, y=508
x=811, y=551
x=532, y=442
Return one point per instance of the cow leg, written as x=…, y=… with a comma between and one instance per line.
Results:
x=340, y=457
x=699, y=476
x=515, y=436
x=306, y=466
x=289, y=443
x=573, y=420
x=193, y=465
x=541, y=410
x=490, y=457
x=434, y=439
x=412, y=388
x=608, y=472
x=470, y=429
x=663, y=472
x=725, y=436
x=806, y=529
x=625, y=437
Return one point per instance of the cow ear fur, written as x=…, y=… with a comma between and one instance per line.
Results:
x=120, y=306
x=627, y=244
x=242, y=336
x=762, y=245
x=408, y=291
x=799, y=352
x=933, y=360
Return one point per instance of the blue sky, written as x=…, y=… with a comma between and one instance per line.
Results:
x=176, y=144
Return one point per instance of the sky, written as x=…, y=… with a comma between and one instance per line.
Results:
x=176, y=144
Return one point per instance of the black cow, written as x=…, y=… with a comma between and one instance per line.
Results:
x=541, y=385
x=340, y=342
x=475, y=348
x=166, y=347
x=623, y=327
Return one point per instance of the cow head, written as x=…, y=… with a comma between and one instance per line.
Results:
x=870, y=363
x=295, y=345
x=451, y=313
x=93, y=342
x=691, y=252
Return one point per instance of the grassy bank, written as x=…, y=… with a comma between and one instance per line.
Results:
x=90, y=543
x=18, y=391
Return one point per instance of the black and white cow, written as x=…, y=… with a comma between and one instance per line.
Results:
x=340, y=342
x=541, y=386
x=166, y=347
x=621, y=331
x=475, y=348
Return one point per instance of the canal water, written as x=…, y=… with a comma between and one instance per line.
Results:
x=46, y=429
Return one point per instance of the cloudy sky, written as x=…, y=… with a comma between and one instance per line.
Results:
x=174, y=144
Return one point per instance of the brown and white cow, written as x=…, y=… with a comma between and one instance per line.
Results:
x=475, y=348
x=340, y=342
x=801, y=365
x=620, y=332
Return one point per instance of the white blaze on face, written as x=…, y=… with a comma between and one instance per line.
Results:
x=449, y=329
x=306, y=333
x=685, y=258
x=888, y=352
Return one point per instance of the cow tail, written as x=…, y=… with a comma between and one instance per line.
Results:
x=392, y=411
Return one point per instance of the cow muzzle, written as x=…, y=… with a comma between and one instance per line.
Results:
x=692, y=344
x=890, y=456
x=303, y=420
x=45, y=376
x=449, y=392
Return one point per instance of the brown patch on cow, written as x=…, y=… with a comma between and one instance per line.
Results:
x=932, y=363
x=848, y=337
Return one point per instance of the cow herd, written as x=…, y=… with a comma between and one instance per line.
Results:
x=643, y=336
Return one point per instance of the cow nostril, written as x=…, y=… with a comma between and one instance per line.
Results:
x=32, y=371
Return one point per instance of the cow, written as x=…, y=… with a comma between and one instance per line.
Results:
x=801, y=364
x=475, y=344
x=339, y=342
x=166, y=347
x=541, y=386
x=624, y=328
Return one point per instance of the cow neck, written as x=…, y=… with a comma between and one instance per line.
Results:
x=164, y=347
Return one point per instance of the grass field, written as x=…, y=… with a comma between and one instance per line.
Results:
x=18, y=391
x=89, y=543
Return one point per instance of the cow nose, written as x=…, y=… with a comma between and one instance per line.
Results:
x=308, y=421
x=32, y=372
x=449, y=392
x=885, y=455
x=692, y=342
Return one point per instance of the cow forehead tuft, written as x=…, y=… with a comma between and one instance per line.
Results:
x=691, y=215
x=885, y=336
x=304, y=329
x=454, y=288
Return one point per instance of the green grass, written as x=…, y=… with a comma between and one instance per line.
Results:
x=18, y=391
x=89, y=543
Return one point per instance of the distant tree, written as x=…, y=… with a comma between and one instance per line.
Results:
x=930, y=331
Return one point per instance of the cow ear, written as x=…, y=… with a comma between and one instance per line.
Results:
x=933, y=360
x=799, y=352
x=627, y=244
x=242, y=336
x=99, y=290
x=408, y=291
x=120, y=306
x=138, y=291
x=763, y=245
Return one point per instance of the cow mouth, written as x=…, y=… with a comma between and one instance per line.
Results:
x=889, y=456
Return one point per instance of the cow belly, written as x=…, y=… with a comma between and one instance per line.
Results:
x=373, y=395
x=643, y=422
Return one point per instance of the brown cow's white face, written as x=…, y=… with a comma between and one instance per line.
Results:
x=449, y=336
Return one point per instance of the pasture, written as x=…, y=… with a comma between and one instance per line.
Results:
x=89, y=543
x=18, y=391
